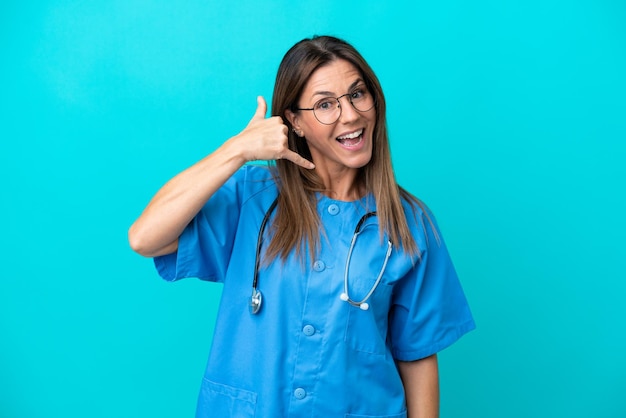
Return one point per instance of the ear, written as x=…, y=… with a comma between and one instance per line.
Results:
x=293, y=120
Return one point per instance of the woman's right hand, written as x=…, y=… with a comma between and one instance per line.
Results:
x=266, y=139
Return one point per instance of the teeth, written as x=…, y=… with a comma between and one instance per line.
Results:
x=352, y=135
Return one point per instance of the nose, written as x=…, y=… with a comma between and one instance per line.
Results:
x=348, y=112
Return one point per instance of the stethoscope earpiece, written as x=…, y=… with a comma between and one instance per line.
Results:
x=363, y=305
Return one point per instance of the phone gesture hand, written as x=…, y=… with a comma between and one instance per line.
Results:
x=266, y=139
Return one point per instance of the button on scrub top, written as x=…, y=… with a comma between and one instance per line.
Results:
x=307, y=353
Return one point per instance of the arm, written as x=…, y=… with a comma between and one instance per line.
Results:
x=421, y=386
x=157, y=230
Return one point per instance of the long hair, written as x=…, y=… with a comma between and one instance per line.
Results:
x=297, y=224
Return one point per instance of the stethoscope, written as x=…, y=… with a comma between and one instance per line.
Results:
x=256, y=299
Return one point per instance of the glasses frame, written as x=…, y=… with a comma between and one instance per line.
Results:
x=339, y=105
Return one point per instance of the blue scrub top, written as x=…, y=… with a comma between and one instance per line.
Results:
x=307, y=353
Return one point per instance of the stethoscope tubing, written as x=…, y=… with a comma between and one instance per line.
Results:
x=259, y=242
x=256, y=298
x=345, y=295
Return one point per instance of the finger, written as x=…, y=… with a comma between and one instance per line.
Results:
x=261, y=108
x=296, y=158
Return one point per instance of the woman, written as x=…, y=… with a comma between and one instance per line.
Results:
x=338, y=290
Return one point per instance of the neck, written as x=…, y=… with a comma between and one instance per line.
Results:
x=343, y=186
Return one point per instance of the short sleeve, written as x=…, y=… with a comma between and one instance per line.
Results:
x=429, y=309
x=205, y=246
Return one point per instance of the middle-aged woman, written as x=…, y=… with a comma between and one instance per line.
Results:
x=338, y=290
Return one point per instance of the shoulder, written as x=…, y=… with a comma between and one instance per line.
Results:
x=254, y=174
x=420, y=219
x=250, y=180
x=414, y=207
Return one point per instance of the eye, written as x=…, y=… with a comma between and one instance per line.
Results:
x=325, y=104
x=359, y=93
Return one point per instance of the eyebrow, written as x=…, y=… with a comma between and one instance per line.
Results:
x=330, y=93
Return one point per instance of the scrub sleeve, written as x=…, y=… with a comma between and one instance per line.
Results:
x=429, y=310
x=205, y=246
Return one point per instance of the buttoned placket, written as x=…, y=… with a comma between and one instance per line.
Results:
x=309, y=353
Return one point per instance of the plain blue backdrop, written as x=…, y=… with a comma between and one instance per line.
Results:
x=507, y=117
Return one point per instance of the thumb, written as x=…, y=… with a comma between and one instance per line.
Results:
x=261, y=108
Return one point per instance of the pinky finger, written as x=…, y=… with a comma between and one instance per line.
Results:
x=296, y=158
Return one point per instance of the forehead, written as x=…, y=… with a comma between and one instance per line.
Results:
x=335, y=77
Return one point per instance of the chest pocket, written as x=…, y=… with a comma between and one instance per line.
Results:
x=366, y=330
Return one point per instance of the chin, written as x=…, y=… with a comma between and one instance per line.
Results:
x=360, y=162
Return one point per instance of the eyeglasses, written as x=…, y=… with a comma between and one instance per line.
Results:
x=328, y=109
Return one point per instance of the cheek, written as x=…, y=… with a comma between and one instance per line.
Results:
x=319, y=133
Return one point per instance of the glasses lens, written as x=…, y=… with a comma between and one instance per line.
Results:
x=327, y=110
x=361, y=99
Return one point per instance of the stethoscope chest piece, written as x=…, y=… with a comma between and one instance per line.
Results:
x=255, y=301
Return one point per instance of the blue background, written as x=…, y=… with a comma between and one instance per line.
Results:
x=507, y=117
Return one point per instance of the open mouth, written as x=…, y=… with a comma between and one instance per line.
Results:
x=352, y=139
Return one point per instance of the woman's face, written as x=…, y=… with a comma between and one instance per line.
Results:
x=347, y=143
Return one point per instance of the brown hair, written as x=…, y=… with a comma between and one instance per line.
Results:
x=297, y=224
